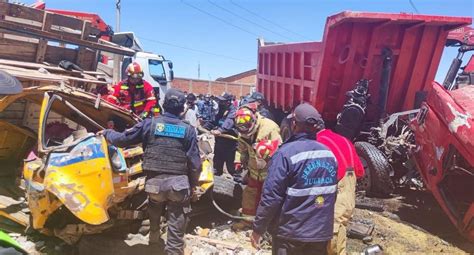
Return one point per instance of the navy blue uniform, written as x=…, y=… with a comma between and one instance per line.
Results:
x=172, y=164
x=298, y=196
x=224, y=148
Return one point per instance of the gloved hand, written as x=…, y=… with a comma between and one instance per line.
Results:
x=216, y=132
x=102, y=132
x=144, y=115
x=196, y=193
x=238, y=167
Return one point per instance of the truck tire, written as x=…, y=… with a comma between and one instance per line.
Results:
x=285, y=129
x=226, y=191
x=376, y=180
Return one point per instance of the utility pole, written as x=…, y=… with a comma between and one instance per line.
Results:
x=199, y=70
x=117, y=58
x=117, y=17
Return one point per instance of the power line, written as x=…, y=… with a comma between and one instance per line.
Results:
x=267, y=20
x=413, y=6
x=220, y=19
x=195, y=50
x=249, y=21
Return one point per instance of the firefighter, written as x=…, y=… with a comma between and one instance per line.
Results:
x=349, y=168
x=224, y=148
x=172, y=166
x=298, y=197
x=252, y=128
x=134, y=93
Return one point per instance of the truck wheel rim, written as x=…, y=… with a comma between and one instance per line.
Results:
x=364, y=182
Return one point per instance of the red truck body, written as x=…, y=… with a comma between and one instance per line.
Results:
x=444, y=132
x=351, y=49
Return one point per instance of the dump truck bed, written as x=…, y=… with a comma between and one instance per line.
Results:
x=351, y=49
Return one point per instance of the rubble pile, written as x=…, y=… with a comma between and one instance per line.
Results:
x=222, y=240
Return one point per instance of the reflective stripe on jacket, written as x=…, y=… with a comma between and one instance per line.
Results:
x=300, y=191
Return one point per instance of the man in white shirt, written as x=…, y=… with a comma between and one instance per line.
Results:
x=191, y=110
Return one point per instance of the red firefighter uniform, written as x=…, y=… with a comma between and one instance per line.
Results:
x=139, y=98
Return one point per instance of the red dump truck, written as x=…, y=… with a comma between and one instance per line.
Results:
x=368, y=77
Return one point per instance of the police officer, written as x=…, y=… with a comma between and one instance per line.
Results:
x=259, y=99
x=299, y=192
x=224, y=148
x=171, y=164
x=207, y=112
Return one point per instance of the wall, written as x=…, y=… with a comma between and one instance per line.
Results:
x=212, y=87
x=250, y=79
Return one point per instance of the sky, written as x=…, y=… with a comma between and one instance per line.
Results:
x=220, y=36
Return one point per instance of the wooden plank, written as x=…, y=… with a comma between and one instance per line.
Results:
x=66, y=21
x=55, y=54
x=29, y=113
x=20, y=11
x=64, y=38
x=80, y=61
x=11, y=115
x=43, y=43
x=41, y=50
x=224, y=244
x=31, y=65
x=20, y=38
x=36, y=75
x=25, y=22
x=16, y=106
x=22, y=51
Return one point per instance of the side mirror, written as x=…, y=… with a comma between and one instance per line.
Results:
x=170, y=64
x=171, y=75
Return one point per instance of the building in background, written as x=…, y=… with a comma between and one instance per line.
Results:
x=239, y=84
x=248, y=77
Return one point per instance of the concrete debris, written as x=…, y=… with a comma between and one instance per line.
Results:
x=221, y=240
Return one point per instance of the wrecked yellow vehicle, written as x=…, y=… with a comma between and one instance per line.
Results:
x=73, y=181
x=71, y=175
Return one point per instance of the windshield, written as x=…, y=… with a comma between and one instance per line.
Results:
x=157, y=71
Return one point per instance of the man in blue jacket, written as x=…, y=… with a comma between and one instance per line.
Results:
x=297, y=205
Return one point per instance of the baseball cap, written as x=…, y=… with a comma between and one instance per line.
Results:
x=174, y=94
x=225, y=97
x=305, y=113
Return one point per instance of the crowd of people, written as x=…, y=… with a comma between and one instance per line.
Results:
x=301, y=190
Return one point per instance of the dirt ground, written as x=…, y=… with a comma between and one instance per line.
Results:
x=411, y=223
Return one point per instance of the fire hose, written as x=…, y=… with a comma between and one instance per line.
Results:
x=235, y=217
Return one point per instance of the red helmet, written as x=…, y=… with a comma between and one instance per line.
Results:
x=245, y=120
x=134, y=70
